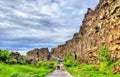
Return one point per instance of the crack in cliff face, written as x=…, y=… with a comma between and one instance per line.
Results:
x=100, y=27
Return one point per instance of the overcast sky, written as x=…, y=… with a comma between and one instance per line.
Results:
x=28, y=24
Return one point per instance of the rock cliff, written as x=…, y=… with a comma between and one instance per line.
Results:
x=42, y=54
x=100, y=27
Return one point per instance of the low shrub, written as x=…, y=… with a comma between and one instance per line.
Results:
x=12, y=61
x=68, y=63
x=39, y=64
x=51, y=65
x=46, y=64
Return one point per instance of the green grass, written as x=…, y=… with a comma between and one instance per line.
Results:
x=101, y=70
x=104, y=69
x=24, y=70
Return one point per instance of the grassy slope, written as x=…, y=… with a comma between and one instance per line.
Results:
x=23, y=71
x=102, y=70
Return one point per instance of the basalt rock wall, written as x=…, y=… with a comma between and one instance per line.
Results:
x=42, y=54
x=100, y=27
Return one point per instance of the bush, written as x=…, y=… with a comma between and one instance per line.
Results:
x=39, y=64
x=51, y=65
x=12, y=61
x=103, y=54
x=23, y=62
x=4, y=55
x=69, y=61
x=46, y=64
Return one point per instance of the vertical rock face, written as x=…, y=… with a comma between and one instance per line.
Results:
x=100, y=27
x=39, y=54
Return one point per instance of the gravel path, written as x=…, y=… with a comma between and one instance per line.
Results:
x=59, y=73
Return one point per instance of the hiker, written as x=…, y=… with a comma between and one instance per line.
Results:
x=59, y=64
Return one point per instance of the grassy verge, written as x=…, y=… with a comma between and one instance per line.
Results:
x=101, y=70
x=104, y=69
x=17, y=70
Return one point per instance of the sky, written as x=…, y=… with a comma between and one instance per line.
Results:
x=29, y=24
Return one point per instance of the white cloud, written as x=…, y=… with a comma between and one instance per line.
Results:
x=19, y=13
